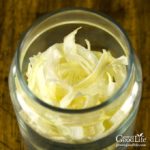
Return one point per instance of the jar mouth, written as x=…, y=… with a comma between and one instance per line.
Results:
x=75, y=111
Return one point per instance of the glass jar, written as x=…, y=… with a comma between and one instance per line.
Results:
x=48, y=127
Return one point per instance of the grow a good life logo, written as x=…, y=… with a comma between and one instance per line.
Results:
x=126, y=141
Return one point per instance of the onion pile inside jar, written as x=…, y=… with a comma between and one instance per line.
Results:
x=68, y=75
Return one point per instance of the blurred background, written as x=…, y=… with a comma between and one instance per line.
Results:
x=17, y=15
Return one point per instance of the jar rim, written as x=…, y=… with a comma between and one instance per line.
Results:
x=75, y=111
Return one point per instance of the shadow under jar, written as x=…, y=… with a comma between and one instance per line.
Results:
x=46, y=127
